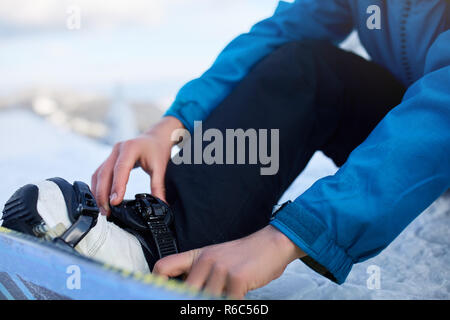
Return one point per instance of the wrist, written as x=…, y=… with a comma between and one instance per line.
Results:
x=172, y=122
x=164, y=128
x=290, y=250
x=166, y=124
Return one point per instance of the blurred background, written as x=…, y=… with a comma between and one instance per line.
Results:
x=109, y=69
x=86, y=64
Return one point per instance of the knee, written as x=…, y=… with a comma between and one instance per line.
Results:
x=296, y=58
x=291, y=65
x=304, y=49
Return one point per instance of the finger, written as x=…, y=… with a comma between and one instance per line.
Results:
x=104, y=180
x=94, y=180
x=199, y=273
x=174, y=265
x=235, y=286
x=157, y=184
x=121, y=173
x=216, y=281
x=94, y=188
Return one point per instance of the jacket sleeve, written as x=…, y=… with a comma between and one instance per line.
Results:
x=326, y=20
x=401, y=168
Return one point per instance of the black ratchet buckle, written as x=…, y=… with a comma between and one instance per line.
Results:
x=147, y=214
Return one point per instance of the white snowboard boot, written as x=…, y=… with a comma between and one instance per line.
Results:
x=48, y=208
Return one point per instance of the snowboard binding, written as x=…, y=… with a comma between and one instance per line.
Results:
x=149, y=219
x=38, y=210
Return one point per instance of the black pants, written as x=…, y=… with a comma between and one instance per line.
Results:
x=319, y=97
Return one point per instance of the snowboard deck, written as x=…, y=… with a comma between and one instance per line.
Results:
x=34, y=269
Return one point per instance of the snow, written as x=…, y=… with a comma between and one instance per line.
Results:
x=414, y=266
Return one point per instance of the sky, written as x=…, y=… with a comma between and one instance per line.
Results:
x=150, y=47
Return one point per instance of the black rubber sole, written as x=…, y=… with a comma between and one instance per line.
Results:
x=20, y=212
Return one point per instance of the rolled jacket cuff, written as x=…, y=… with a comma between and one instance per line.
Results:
x=187, y=113
x=311, y=235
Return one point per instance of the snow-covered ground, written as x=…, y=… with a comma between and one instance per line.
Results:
x=414, y=266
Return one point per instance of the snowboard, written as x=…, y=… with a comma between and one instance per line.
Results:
x=35, y=269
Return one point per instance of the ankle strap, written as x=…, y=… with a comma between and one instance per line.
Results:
x=86, y=217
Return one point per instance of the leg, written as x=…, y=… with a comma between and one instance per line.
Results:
x=318, y=96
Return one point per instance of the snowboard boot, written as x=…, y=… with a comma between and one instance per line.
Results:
x=133, y=238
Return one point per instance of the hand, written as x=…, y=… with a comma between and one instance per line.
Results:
x=151, y=151
x=236, y=267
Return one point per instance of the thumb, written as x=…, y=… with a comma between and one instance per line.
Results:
x=157, y=185
x=175, y=264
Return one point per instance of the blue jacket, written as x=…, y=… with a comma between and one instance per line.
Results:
x=401, y=168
